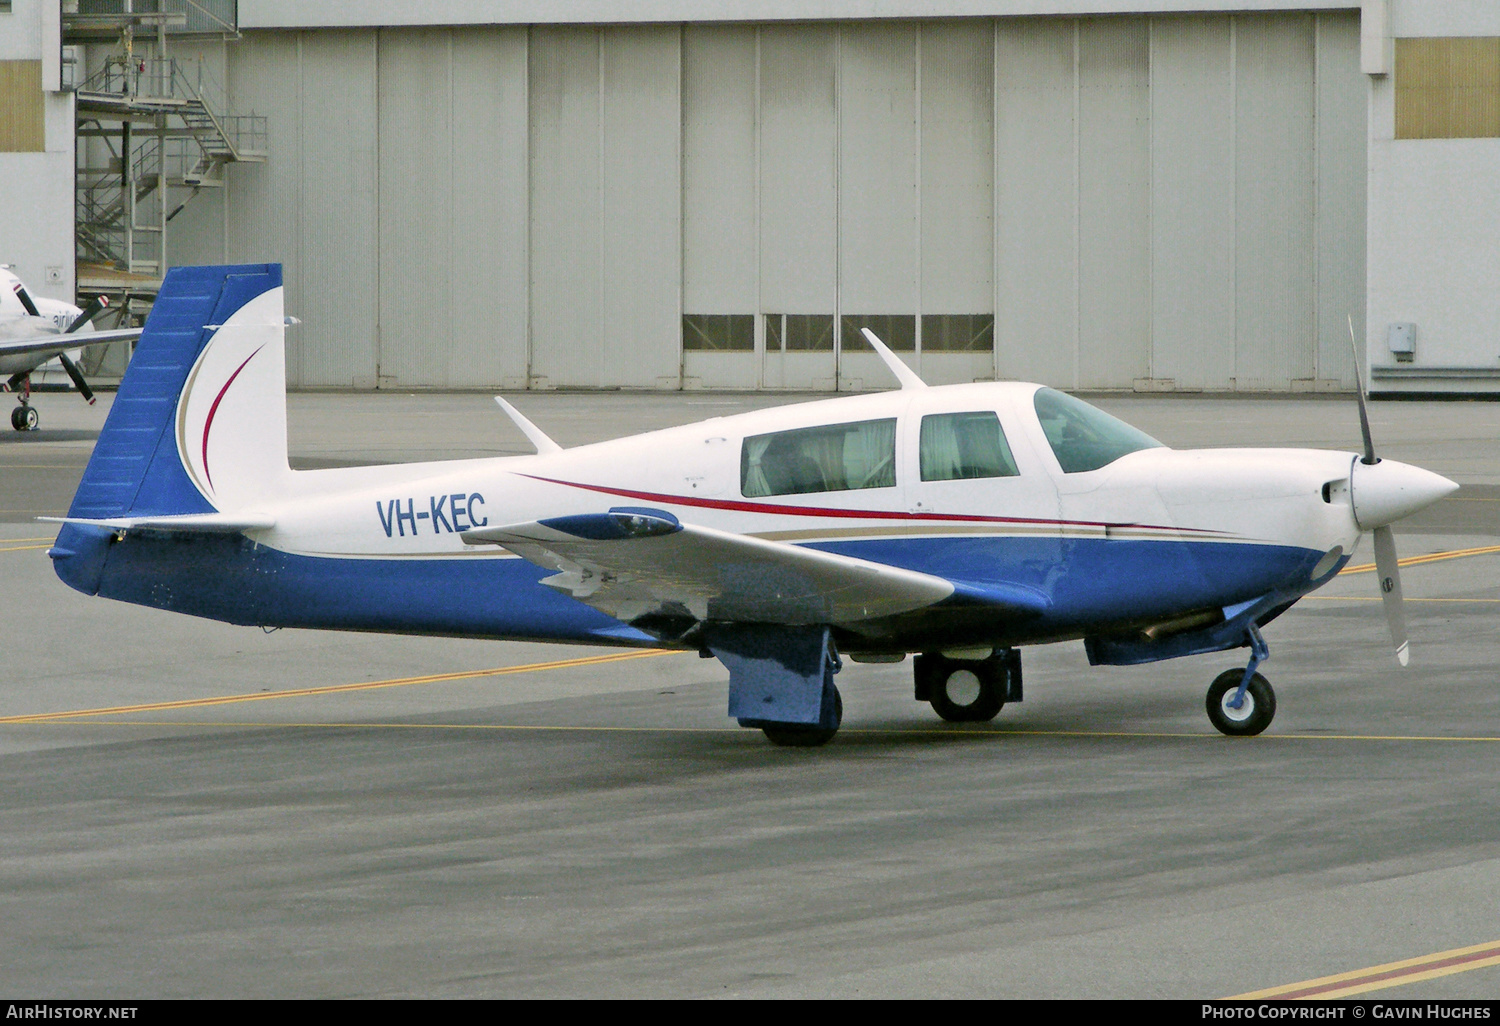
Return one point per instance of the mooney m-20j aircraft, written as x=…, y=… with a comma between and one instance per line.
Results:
x=956, y=522
x=33, y=331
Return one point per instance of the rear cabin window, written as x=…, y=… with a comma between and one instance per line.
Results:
x=1084, y=437
x=960, y=446
x=830, y=458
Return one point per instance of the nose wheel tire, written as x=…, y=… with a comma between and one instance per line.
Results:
x=796, y=735
x=1255, y=711
x=24, y=418
x=966, y=691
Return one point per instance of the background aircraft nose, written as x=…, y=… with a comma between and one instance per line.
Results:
x=1387, y=491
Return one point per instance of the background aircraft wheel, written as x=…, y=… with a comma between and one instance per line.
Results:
x=1253, y=716
x=969, y=691
x=24, y=418
x=792, y=735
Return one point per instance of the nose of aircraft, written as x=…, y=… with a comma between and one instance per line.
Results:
x=1387, y=491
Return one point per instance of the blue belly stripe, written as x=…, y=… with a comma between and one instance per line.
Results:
x=1090, y=582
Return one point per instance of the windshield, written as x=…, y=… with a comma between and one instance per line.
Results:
x=1084, y=437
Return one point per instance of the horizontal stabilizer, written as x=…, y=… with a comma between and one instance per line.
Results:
x=633, y=562
x=63, y=343
x=195, y=523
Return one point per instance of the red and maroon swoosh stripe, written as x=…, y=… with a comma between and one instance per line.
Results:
x=214, y=409
x=739, y=506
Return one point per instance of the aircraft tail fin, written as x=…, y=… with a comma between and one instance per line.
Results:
x=199, y=423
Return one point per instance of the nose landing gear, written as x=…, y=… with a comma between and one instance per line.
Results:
x=1241, y=703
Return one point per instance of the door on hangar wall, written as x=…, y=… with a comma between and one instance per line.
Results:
x=824, y=167
x=1165, y=203
x=1180, y=201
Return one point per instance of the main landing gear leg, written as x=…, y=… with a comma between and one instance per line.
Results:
x=781, y=680
x=1240, y=702
x=23, y=417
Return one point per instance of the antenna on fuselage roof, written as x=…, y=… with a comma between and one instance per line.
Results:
x=904, y=374
x=538, y=437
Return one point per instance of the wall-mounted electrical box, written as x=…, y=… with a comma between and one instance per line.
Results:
x=1401, y=338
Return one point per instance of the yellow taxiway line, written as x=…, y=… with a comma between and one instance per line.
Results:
x=333, y=689
x=26, y=548
x=1431, y=557
x=1391, y=974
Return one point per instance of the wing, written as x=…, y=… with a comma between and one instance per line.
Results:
x=52, y=344
x=632, y=563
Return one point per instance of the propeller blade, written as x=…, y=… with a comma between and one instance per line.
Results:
x=87, y=314
x=25, y=298
x=1389, y=571
x=77, y=376
x=1359, y=390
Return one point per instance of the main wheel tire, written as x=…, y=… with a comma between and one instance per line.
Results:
x=795, y=735
x=969, y=691
x=24, y=418
x=1255, y=712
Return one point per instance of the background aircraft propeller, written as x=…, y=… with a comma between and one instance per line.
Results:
x=25, y=298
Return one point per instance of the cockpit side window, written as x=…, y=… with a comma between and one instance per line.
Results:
x=960, y=446
x=828, y=458
x=1084, y=437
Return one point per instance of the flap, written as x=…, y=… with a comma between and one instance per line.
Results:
x=631, y=562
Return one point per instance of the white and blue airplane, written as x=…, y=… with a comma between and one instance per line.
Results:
x=35, y=331
x=959, y=523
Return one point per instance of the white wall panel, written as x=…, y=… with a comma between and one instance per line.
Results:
x=1035, y=198
x=718, y=169
x=1114, y=202
x=957, y=201
x=1192, y=204
x=339, y=212
x=798, y=198
x=487, y=250
x=878, y=169
x=265, y=202
x=642, y=197
x=877, y=183
x=416, y=206
x=1275, y=325
x=799, y=250
x=1341, y=195
x=566, y=232
x=958, y=167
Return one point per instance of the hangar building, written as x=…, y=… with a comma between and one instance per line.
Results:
x=1096, y=194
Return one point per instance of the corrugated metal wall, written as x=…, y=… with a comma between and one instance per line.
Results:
x=1149, y=202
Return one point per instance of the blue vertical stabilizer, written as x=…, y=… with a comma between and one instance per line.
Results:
x=136, y=468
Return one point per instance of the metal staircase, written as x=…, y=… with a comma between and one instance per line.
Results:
x=163, y=135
